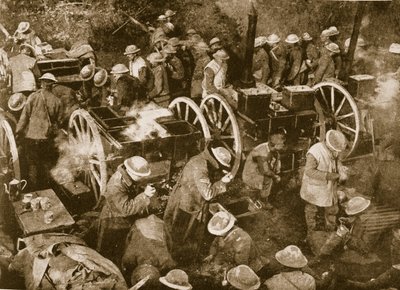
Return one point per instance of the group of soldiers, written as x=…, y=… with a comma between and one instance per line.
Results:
x=190, y=66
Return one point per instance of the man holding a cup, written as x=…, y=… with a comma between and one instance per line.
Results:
x=126, y=196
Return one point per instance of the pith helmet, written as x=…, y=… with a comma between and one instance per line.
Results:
x=119, y=69
x=292, y=257
x=137, y=166
x=220, y=223
x=335, y=140
x=176, y=279
x=222, y=155
x=243, y=277
x=100, y=78
x=87, y=72
x=357, y=205
x=48, y=77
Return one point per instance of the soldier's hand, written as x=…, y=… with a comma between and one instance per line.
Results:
x=333, y=176
x=208, y=259
x=149, y=191
x=227, y=178
x=277, y=178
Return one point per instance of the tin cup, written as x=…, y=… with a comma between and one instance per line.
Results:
x=48, y=217
x=45, y=203
x=27, y=198
x=35, y=203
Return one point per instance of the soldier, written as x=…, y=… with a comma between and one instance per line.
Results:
x=169, y=15
x=68, y=99
x=175, y=70
x=22, y=67
x=186, y=58
x=260, y=66
x=215, y=73
x=86, y=91
x=232, y=246
x=25, y=35
x=310, y=56
x=160, y=93
x=215, y=45
x=324, y=37
x=263, y=165
x=277, y=55
x=294, y=60
x=127, y=195
x=200, y=53
x=338, y=58
x=187, y=206
x=292, y=276
x=320, y=180
x=38, y=124
x=326, y=64
x=125, y=88
x=138, y=67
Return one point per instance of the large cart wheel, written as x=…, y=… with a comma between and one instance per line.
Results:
x=9, y=151
x=83, y=133
x=223, y=126
x=337, y=109
x=186, y=109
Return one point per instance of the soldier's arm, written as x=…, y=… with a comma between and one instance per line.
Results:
x=311, y=170
x=207, y=189
x=25, y=116
x=209, y=81
x=142, y=75
x=178, y=72
x=131, y=206
x=294, y=70
x=158, y=83
x=320, y=71
x=242, y=252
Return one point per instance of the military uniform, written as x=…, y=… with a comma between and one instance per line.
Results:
x=23, y=79
x=160, y=93
x=295, y=280
x=123, y=201
x=294, y=62
x=39, y=121
x=325, y=68
x=277, y=63
x=261, y=70
x=127, y=90
x=176, y=74
x=187, y=202
x=197, y=79
x=140, y=69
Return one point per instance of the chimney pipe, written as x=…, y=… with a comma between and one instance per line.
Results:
x=247, y=80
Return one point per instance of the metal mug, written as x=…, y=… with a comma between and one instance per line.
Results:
x=35, y=204
x=45, y=203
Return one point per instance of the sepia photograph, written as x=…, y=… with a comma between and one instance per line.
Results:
x=200, y=144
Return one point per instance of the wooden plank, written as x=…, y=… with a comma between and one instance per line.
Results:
x=32, y=222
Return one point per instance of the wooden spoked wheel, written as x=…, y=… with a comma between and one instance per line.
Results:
x=8, y=151
x=84, y=135
x=223, y=127
x=186, y=109
x=337, y=109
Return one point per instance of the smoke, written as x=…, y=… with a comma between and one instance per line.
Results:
x=73, y=159
x=387, y=89
x=146, y=126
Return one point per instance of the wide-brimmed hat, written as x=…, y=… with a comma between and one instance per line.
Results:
x=23, y=27
x=215, y=40
x=292, y=38
x=137, y=166
x=169, y=13
x=100, y=78
x=48, y=77
x=176, y=279
x=336, y=140
x=131, y=49
x=333, y=31
x=162, y=18
x=357, y=205
x=325, y=33
x=174, y=41
x=306, y=36
x=169, y=27
x=191, y=31
x=221, y=223
x=292, y=257
x=143, y=271
x=222, y=155
x=16, y=102
x=394, y=48
x=221, y=55
x=87, y=72
x=155, y=57
x=169, y=49
x=243, y=277
x=260, y=41
x=273, y=38
x=333, y=47
x=119, y=69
